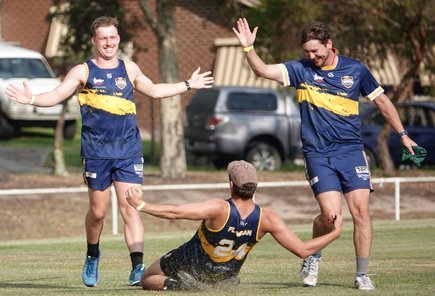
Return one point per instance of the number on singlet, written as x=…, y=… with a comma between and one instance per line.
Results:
x=225, y=248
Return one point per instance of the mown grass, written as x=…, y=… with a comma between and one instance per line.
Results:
x=403, y=263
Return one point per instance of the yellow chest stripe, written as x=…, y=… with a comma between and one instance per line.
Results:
x=111, y=104
x=333, y=103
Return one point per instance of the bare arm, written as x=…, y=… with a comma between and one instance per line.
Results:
x=390, y=114
x=247, y=39
x=75, y=77
x=273, y=224
x=195, y=211
x=164, y=90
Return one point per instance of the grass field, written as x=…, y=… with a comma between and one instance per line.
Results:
x=403, y=263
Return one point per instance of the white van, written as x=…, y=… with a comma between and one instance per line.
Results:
x=16, y=65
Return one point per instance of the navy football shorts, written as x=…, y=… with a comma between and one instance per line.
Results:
x=344, y=172
x=99, y=174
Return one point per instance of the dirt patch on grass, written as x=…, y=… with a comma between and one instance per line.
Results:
x=62, y=214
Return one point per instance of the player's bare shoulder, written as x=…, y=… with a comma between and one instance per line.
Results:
x=78, y=73
x=133, y=69
x=270, y=220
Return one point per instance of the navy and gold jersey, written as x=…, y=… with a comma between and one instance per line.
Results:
x=109, y=127
x=328, y=100
x=215, y=255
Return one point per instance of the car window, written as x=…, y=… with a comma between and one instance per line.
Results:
x=416, y=116
x=411, y=116
x=430, y=116
x=23, y=68
x=252, y=101
x=203, y=101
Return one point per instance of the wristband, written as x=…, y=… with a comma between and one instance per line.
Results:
x=248, y=48
x=140, y=207
x=187, y=85
x=32, y=101
x=401, y=134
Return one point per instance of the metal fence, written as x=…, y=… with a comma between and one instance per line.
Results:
x=395, y=180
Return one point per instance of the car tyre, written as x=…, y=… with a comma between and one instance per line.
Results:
x=6, y=129
x=264, y=157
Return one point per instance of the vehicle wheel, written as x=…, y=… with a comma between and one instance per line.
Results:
x=264, y=157
x=370, y=159
x=69, y=130
x=6, y=129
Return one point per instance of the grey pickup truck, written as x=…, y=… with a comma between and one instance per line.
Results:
x=259, y=125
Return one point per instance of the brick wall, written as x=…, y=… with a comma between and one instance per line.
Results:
x=24, y=21
x=198, y=24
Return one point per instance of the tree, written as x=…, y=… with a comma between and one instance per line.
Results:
x=172, y=157
x=59, y=167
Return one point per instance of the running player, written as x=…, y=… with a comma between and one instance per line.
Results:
x=111, y=147
x=228, y=232
x=328, y=86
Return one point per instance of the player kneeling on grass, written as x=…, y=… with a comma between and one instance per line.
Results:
x=228, y=232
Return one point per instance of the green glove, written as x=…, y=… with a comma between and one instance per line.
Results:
x=416, y=159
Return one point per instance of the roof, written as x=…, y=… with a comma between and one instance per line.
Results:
x=232, y=69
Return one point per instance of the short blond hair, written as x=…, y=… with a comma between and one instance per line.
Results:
x=104, y=21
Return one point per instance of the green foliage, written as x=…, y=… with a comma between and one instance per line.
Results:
x=78, y=15
x=280, y=22
x=403, y=263
x=363, y=29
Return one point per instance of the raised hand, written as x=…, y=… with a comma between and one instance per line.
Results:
x=243, y=32
x=202, y=80
x=20, y=95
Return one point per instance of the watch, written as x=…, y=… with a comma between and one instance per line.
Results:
x=401, y=134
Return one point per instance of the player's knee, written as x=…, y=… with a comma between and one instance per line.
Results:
x=360, y=214
x=97, y=214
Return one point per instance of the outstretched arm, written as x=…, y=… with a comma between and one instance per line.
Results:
x=195, y=211
x=68, y=86
x=273, y=224
x=390, y=114
x=164, y=90
x=247, y=39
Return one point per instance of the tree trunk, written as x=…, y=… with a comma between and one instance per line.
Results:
x=59, y=167
x=172, y=153
x=173, y=156
x=402, y=93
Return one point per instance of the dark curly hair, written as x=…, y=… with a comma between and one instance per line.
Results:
x=316, y=31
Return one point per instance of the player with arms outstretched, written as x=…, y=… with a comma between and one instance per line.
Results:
x=228, y=232
x=111, y=147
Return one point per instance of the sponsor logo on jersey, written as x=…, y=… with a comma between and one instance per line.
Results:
x=363, y=172
x=347, y=81
x=138, y=169
x=318, y=78
x=97, y=81
x=121, y=82
x=330, y=74
x=91, y=175
x=241, y=232
x=314, y=180
x=109, y=75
